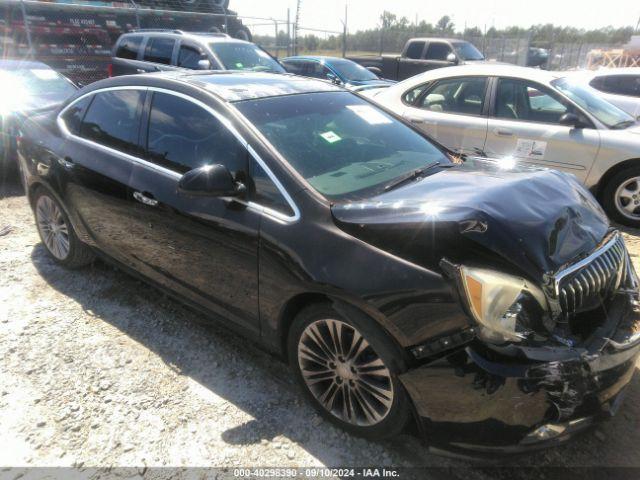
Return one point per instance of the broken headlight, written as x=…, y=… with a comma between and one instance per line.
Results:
x=507, y=308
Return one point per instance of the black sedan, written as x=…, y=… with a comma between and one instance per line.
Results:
x=488, y=303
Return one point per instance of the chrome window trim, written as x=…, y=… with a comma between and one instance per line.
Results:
x=269, y=212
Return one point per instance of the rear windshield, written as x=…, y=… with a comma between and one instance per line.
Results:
x=245, y=56
x=342, y=145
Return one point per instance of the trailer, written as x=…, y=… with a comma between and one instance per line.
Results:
x=76, y=37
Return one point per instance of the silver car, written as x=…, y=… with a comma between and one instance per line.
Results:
x=619, y=86
x=532, y=116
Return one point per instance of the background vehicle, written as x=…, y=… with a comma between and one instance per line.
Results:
x=532, y=116
x=420, y=55
x=155, y=50
x=619, y=86
x=205, y=185
x=77, y=39
x=25, y=88
x=339, y=70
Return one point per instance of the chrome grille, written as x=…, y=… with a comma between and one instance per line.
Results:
x=586, y=284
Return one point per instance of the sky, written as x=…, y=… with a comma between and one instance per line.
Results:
x=326, y=14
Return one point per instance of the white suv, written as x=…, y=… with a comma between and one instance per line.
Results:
x=528, y=115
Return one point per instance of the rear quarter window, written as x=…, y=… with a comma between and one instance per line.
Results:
x=73, y=115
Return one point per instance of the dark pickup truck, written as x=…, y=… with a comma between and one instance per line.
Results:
x=420, y=55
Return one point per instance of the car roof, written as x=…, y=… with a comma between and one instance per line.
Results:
x=22, y=64
x=438, y=39
x=320, y=58
x=229, y=85
x=487, y=69
x=208, y=37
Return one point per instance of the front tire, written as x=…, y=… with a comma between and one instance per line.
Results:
x=621, y=197
x=57, y=234
x=349, y=369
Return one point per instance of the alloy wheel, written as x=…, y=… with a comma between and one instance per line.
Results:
x=53, y=228
x=344, y=373
x=627, y=198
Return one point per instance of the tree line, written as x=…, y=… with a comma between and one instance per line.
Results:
x=393, y=31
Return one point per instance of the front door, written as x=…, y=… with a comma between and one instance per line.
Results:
x=525, y=125
x=205, y=248
x=452, y=112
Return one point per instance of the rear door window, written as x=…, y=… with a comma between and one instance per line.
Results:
x=184, y=136
x=464, y=95
x=129, y=47
x=618, y=84
x=113, y=120
x=414, y=50
x=159, y=50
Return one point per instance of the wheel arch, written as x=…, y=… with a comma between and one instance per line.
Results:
x=609, y=174
x=301, y=301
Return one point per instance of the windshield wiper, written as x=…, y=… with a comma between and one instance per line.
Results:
x=622, y=124
x=413, y=175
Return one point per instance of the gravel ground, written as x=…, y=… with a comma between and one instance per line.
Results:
x=99, y=369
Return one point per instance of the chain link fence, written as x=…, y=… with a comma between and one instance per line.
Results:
x=76, y=38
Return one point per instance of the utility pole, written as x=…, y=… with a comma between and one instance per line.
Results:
x=297, y=28
x=344, y=29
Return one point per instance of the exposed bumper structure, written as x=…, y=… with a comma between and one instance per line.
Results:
x=477, y=401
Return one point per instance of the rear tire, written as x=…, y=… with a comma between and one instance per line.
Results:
x=57, y=233
x=621, y=197
x=349, y=373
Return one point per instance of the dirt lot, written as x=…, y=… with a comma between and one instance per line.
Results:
x=99, y=369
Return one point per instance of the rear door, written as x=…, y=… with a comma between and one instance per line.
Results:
x=205, y=248
x=101, y=148
x=412, y=60
x=452, y=111
x=126, y=56
x=524, y=124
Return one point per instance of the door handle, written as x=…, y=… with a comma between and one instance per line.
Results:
x=145, y=200
x=503, y=132
x=141, y=70
x=416, y=120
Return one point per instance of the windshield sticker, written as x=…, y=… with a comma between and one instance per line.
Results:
x=369, y=114
x=331, y=137
x=239, y=65
x=43, y=74
x=530, y=148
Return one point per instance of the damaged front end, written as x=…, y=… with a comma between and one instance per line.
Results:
x=540, y=362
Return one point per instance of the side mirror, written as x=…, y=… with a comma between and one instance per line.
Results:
x=334, y=79
x=204, y=64
x=210, y=181
x=451, y=58
x=571, y=120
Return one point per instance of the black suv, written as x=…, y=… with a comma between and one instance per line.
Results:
x=153, y=50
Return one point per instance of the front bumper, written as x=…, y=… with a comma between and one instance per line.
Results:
x=475, y=401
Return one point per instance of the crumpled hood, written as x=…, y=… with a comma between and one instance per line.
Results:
x=538, y=220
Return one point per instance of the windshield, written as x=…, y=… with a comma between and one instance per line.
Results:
x=32, y=88
x=467, y=51
x=589, y=99
x=245, y=56
x=342, y=145
x=351, y=71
